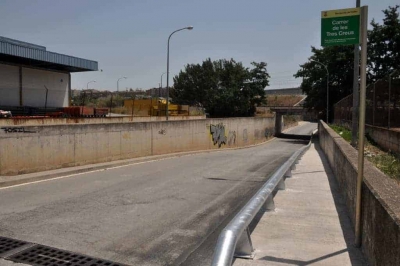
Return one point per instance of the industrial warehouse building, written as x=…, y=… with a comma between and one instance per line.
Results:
x=26, y=70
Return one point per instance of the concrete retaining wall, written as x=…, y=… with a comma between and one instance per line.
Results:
x=387, y=139
x=380, y=199
x=37, y=148
x=61, y=121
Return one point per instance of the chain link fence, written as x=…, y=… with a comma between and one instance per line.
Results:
x=382, y=103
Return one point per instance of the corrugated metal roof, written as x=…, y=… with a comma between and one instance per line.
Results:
x=26, y=51
x=21, y=43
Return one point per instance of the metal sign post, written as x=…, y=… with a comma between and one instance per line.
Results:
x=361, y=121
x=356, y=95
x=343, y=27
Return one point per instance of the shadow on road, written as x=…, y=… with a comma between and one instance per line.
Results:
x=293, y=136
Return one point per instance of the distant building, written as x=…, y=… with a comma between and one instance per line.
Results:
x=285, y=91
x=26, y=70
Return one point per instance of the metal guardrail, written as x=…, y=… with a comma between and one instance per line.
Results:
x=234, y=240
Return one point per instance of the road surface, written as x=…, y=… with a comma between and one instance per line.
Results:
x=165, y=212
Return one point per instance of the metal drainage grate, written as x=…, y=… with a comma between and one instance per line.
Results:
x=46, y=256
x=8, y=244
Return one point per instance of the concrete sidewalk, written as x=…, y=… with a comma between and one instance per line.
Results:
x=311, y=225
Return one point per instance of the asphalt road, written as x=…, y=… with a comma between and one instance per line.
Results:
x=165, y=212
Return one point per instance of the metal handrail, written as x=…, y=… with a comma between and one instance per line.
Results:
x=237, y=230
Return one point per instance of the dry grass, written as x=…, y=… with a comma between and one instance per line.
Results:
x=283, y=100
x=387, y=162
x=262, y=111
x=290, y=119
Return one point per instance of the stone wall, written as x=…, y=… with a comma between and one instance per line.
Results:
x=380, y=217
x=26, y=149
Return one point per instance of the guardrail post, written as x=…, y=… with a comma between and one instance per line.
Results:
x=269, y=204
x=244, y=247
x=288, y=173
x=281, y=185
x=235, y=241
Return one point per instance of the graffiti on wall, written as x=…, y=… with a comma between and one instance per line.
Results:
x=218, y=134
x=245, y=136
x=16, y=130
x=269, y=132
x=162, y=131
x=232, y=138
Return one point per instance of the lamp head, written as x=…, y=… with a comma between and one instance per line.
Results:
x=190, y=28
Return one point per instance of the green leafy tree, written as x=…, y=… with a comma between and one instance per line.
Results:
x=384, y=45
x=225, y=88
x=383, y=57
x=339, y=61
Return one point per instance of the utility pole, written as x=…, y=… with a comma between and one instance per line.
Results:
x=356, y=94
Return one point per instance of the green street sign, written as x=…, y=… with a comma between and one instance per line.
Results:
x=340, y=27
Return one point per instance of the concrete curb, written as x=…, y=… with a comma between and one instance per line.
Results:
x=64, y=172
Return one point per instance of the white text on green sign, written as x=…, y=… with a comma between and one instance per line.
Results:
x=340, y=27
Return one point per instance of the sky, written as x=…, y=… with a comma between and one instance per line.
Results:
x=129, y=37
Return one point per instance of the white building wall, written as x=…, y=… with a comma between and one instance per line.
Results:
x=34, y=92
x=9, y=85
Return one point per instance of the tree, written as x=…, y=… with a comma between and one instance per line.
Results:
x=224, y=88
x=384, y=45
x=339, y=61
x=383, y=57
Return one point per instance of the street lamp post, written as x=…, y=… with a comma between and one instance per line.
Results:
x=87, y=88
x=87, y=85
x=390, y=88
x=159, y=91
x=118, y=82
x=327, y=89
x=186, y=28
